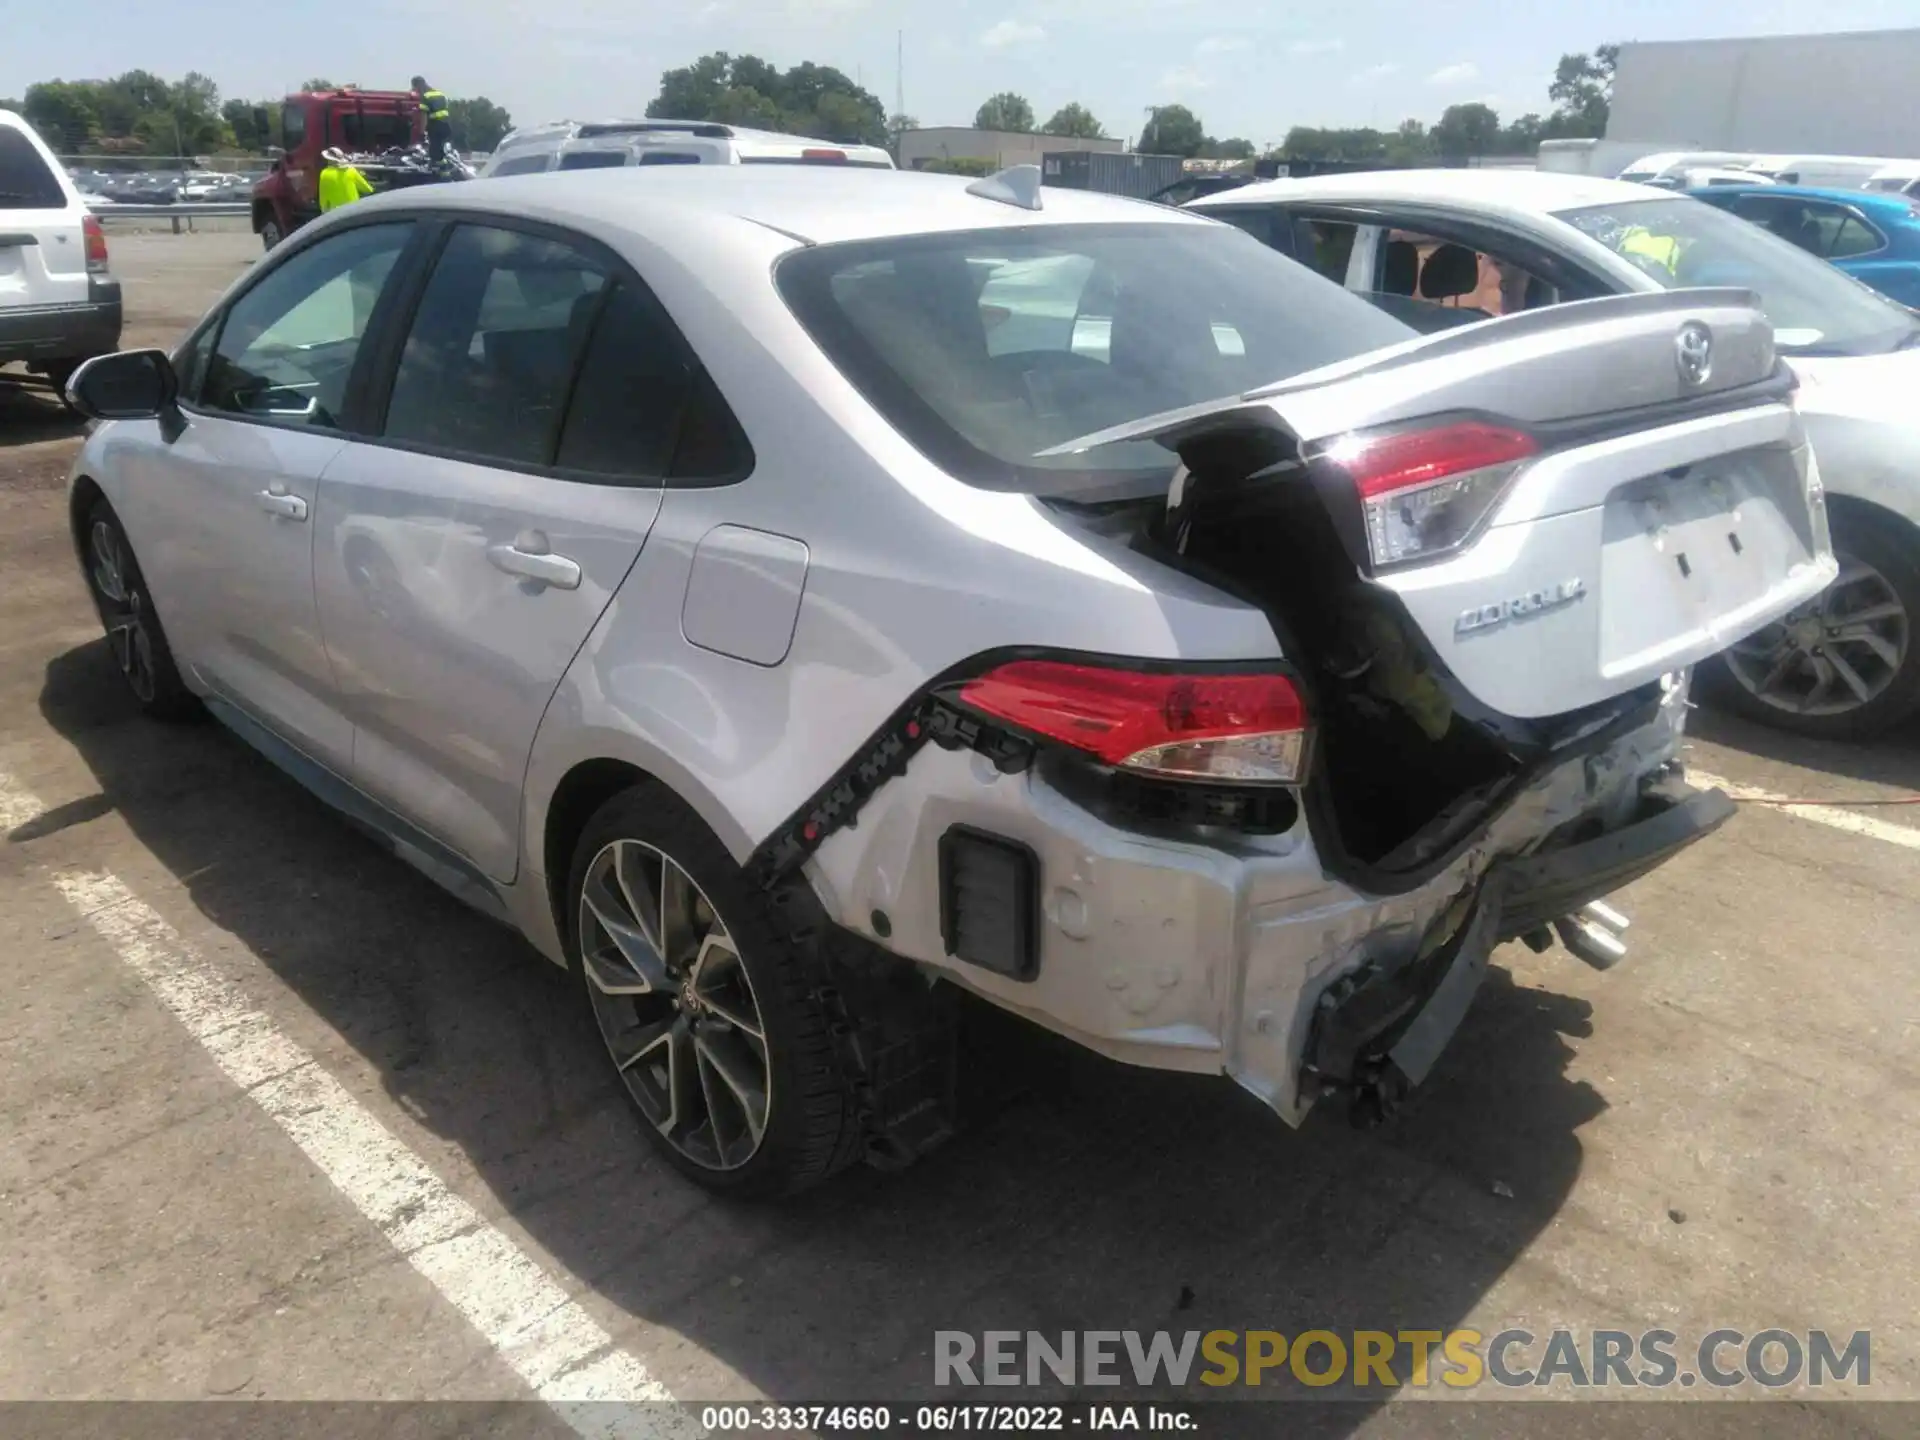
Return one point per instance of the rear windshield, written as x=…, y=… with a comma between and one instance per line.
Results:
x=987, y=347
x=25, y=181
x=1815, y=308
x=373, y=132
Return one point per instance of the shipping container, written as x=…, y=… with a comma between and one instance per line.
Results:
x=1138, y=176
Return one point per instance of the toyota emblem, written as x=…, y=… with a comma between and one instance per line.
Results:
x=1693, y=352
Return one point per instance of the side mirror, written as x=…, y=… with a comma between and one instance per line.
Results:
x=132, y=385
x=261, y=123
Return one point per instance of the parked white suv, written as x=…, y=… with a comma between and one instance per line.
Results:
x=611, y=144
x=58, y=304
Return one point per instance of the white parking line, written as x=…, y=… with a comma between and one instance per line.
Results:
x=562, y=1353
x=1831, y=815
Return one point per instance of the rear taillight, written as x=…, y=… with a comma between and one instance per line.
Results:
x=96, y=239
x=1235, y=729
x=1423, y=492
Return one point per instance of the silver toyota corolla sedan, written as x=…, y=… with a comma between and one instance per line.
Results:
x=793, y=598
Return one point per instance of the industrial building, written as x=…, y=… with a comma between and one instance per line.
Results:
x=999, y=148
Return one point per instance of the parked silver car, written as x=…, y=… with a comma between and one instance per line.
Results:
x=789, y=596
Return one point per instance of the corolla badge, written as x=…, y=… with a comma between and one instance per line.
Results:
x=1485, y=617
x=1693, y=353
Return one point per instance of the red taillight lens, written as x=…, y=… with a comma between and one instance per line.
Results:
x=824, y=157
x=96, y=239
x=1230, y=728
x=1424, y=491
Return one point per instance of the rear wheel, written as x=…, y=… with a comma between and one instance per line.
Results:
x=1846, y=665
x=134, y=634
x=709, y=1017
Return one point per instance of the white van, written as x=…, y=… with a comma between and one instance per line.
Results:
x=1831, y=172
x=576, y=145
x=1665, y=165
x=58, y=304
x=1900, y=178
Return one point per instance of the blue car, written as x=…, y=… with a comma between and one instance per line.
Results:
x=1874, y=237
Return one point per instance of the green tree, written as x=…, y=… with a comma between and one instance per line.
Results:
x=1234, y=149
x=1582, y=91
x=1075, y=120
x=808, y=99
x=66, y=115
x=1523, y=136
x=240, y=120
x=307, y=85
x=1005, y=111
x=1359, y=143
x=1470, y=129
x=1410, y=144
x=898, y=125
x=1172, y=130
x=478, y=123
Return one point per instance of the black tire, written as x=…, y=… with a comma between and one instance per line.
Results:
x=1892, y=548
x=812, y=1126
x=270, y=235
x=58, y=373
x=135, y=636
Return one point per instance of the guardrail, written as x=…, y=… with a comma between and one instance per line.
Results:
x=189, y=212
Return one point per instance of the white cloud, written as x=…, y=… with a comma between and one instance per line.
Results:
x=1223, y=45
x=1184, y=77
x=1009, y=33
x=1375, y=73
x=1316, y=47
x=1458, y=74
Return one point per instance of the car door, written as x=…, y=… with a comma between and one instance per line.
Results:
x=539, y=396
x=223, y=511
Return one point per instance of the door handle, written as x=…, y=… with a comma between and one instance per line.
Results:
x=532, y=558
x=277, y=502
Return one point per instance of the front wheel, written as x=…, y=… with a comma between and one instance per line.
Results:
x=713, y=1024
x=134, y=634
x=270, y=234
x=1846, y=665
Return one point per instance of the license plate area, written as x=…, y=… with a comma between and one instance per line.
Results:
x=1685, y=552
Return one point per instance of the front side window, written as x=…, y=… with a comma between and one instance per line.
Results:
x=1815, y=309
x=287, y=346
x=293, y=126
x=988, y=347
x=491, y=354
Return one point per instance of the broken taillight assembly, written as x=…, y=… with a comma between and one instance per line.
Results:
x=1232, y=728
x=1424, y=492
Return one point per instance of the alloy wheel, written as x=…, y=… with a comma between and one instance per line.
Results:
x=675, y=1004
x=123, y=608
x=1839, y=651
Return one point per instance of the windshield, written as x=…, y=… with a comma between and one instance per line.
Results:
x=987, y=347
x=1815, y=309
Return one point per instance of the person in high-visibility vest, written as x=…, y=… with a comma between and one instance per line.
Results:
x=340, y=183
x=439, y=119
x=1646, y=245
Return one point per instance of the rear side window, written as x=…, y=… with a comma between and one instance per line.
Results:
x=26, y=181
x=1852, y=236
x=594, y=160
x=521, y=165
x=490, y=357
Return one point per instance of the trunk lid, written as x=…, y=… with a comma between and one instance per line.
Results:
x=1669, y=505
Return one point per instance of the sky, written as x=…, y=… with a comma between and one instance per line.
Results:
x=1246, y=70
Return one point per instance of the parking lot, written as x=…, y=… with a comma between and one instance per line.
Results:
x=1725, y=1131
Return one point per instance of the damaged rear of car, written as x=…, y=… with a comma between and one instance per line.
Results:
x=1488, y=559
